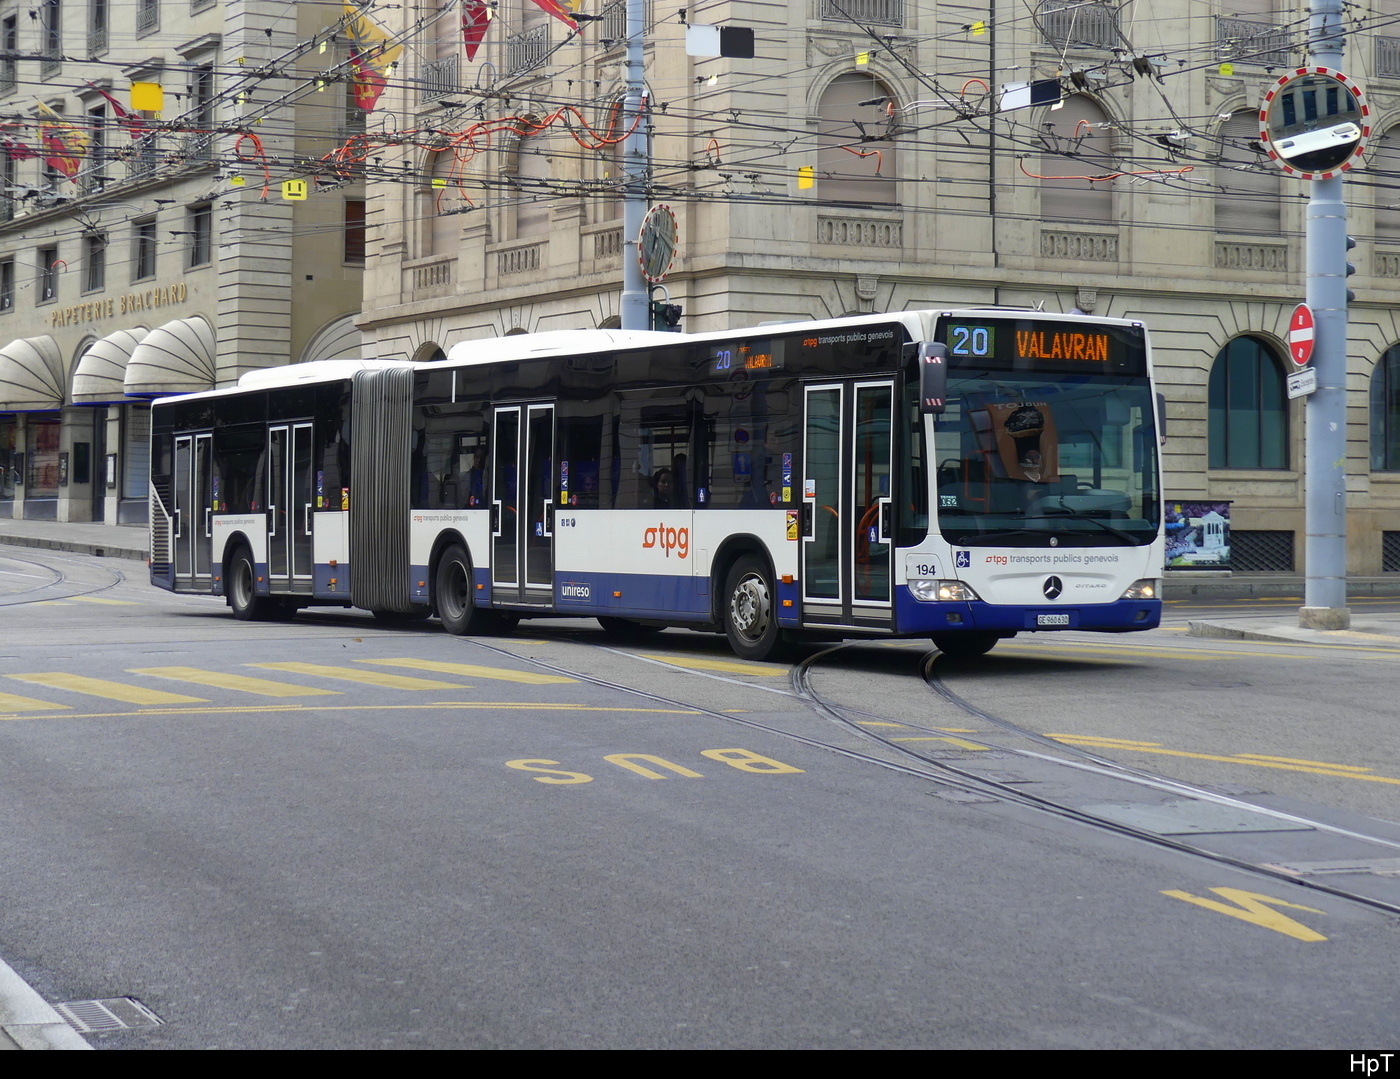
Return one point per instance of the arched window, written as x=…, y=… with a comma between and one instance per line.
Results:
x=1249, y=186
x=844, y=175
x=534, y=198
x=1248, y=407
x=1382, y=166
x=1078, y=143
x=440, y=192
x=1385, y=412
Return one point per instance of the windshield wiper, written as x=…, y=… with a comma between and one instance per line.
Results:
x=1127, y=537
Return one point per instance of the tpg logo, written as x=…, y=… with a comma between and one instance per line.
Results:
x=962, y=559
x=996, y=559
x=668, y=539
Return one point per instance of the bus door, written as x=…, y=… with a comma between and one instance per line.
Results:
x=194, y=521
x=522, y=505
x=848, y=503
x=289, y=510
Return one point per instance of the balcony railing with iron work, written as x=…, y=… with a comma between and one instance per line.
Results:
x=1244, y=41
x=9, y=77
x=864, y=12
x=527, y=50
x=97, y=41
x=613, y=26
x=147, y=17
x=1082, y=24
x=1387, y=57
x=438, y=79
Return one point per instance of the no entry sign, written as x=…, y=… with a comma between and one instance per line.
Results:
x=1300, y=335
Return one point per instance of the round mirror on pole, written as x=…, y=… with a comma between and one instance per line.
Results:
x=1314, y=123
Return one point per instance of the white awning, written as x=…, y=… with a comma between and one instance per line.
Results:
x=100, y=377
x=32, y=375
x=175, y=358
x=338, y=340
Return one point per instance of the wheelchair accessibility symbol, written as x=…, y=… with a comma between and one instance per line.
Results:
x=963, y=559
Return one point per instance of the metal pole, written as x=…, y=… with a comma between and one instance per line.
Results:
x=1325, y=472
x=636, y=311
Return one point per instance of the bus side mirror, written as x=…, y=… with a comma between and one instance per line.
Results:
x=933, y=378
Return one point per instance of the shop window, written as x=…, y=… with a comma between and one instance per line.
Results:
x=1385, y=412
x=1248, y=411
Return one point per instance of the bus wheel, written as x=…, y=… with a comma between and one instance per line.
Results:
x=243, y=599
x=624, y=629
x=750, y=617
x=965, y=645
x=452, y=595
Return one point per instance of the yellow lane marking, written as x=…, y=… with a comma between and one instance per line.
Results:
x=268, y=709
x=1321, y=768
x=1296, y=760
x=367, y=678
x=1257, y=910
x=9, y=702
x=100, y=687
x=728, y=666
x=51, y=603
x=471, y=670
x=959, y=742
x=265, y=687
x=109, y=602
x=878, y=723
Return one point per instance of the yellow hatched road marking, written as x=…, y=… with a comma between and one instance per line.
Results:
x=367, y=678
x=109, y=602
x=100, y=687
x=728, y=666
x=1286, y=764
x=316, y=709
x=265, y=687
x=471, y=670
x=11, y=703
x=961, y=743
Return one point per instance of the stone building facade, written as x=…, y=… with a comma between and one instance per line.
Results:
x=163, y=264
x=854, y=165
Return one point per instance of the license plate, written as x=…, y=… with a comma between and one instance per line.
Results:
x=1052, y=620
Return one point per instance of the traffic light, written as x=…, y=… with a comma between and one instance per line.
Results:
x=665, y=317
x=1351, y=269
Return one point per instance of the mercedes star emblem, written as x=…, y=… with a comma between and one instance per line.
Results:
x=1053, y=587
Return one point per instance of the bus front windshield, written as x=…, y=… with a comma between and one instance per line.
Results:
x=1027, y=461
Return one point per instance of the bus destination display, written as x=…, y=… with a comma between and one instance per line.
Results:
x=744, y=356
x=1014, y=344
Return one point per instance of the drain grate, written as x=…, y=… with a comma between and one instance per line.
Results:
x=104, y=1016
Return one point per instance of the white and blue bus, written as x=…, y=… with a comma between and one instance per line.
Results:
x=960, y=475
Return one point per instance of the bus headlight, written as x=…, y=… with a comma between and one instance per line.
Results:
x=1147, y=588
x=942, y=591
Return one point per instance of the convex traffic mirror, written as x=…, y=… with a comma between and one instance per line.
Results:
x=1314, y=123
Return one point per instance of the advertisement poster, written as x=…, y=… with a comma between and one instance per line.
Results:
x=1198, y=535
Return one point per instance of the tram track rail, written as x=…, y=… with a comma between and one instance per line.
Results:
x=952, y=776
x=23, y=595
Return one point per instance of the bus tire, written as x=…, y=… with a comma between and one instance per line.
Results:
x=750, y=610
x=967, y=645
x=243, y=598
x=454, y=596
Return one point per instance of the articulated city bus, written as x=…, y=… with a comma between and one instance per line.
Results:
x=960, y=475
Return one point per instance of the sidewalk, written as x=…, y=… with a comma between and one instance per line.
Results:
x=1374, y=630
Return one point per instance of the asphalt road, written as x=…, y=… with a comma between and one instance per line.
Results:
x=329, y=833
